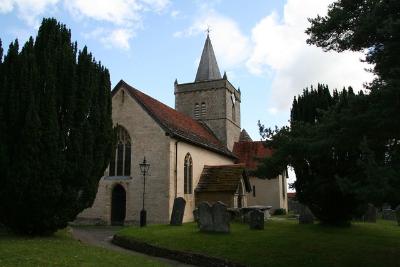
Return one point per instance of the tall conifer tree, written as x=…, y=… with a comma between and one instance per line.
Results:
x=57, y=131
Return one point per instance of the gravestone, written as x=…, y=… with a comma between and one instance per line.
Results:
x=221, y=218
x=256, y=220
x=398, y=214
x=205, y=218
x=178, y=211
x=389, y=214
x=305, y=215
x=196, y=214
x=370, y=215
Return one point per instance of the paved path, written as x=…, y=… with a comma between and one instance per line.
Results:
x=101, y=236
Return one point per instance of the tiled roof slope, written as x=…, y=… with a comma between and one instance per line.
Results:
x=223, y=178
x=176, y=124
x=249, y=153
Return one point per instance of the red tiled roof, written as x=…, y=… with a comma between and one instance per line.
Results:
x=222, y=178
x=249, y=153
x=175, y=123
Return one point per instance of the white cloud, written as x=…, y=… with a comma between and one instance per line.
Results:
x=230, y=45
x=28, y=10
x=279, y=47
x=123, y=17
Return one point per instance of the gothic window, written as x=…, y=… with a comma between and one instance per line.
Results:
x=188, y=174
x=120, y=164
x=196, y=111
x=233, y=112
x=203, y=109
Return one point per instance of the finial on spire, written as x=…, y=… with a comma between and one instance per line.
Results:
x=176, y=81
x=208, y=30
x=225, y=77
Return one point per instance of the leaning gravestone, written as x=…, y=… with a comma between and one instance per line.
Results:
x=305, y=215
x=398, y=214
x=370, y=215
x=205, y=218
x=256, y=220
x=178, y=211
x=221, y=218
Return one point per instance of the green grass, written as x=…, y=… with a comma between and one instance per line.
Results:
x=284, y=243
x=61, y=250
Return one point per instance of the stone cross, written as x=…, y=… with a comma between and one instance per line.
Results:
x=178, y=211
x=256, y=220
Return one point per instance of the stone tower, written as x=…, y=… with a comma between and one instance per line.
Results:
x=211, y=98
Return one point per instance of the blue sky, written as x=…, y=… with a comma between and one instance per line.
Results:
x=150, y=43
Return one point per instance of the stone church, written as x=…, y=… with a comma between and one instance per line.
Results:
x=196, y=151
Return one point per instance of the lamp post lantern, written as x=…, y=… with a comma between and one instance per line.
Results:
x=144, y=168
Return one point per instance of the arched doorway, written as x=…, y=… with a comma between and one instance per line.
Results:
x=118, y=205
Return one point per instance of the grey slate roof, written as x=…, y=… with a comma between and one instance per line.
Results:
x=208, y=67
x=244, y=136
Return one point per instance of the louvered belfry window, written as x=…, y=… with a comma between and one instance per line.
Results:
x=203, y=109
x=188, y=174
x=196, y=111
x=120, y=164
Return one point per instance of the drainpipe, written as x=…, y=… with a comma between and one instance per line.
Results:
x=176, y=168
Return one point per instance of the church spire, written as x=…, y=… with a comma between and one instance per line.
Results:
x=208, y=67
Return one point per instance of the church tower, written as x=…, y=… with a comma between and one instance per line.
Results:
x=211, y=98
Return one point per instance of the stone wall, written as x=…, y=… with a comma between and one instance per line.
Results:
x=268, y=192
x=216, y=95
x=200, y=157
x=149, y=140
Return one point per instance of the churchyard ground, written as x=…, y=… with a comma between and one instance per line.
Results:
x=62, y=250
x=283, y=243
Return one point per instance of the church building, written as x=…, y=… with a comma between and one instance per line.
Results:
x=196, y=151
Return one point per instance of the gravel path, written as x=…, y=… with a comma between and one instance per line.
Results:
x=101, y=236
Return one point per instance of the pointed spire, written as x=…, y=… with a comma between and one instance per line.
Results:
x=208, y=67
x=225, y=77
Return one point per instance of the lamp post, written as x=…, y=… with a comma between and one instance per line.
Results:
x=144, y=168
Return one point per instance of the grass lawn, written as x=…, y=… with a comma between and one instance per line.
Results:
x=61, y=250
x=284, y=243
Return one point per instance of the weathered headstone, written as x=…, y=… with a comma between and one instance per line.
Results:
x=178, y=211
x=205, y=218
x=196, y=214
x=389, y=214
x=256, y=220
x=221, y=218
x=370, y=215
x=305, y=215
x=398, y=214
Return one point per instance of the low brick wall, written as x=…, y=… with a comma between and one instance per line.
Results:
x=186, y=257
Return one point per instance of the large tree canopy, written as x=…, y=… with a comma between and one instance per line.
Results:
x=345, y=149
x=55, y=130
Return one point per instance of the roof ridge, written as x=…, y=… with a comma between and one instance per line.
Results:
x=197, y=138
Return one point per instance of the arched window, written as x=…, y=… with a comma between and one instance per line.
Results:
x=188, y=174
x=120, y=164
x=203, y=109
x=196, y=111
x=233, y=112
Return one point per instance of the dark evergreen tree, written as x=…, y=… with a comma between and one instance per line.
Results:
x=351, y=156
x=57, y=131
